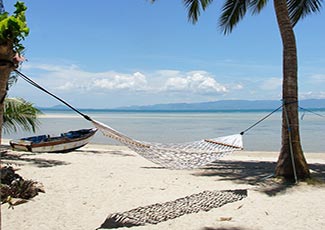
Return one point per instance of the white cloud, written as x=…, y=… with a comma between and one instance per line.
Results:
x=69, y=78
x=319, y=78
x=136, y=81
x=176, y=83
x=271, y=84
x=161, y=86
x=66, y=86
x=196, y=81
x=237, y=86
x=312, y=95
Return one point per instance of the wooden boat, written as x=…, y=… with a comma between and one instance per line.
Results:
x=66, y=142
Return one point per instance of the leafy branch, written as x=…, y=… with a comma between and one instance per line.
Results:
x=14, y=28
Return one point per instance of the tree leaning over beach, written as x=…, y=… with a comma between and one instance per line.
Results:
x=291, y=163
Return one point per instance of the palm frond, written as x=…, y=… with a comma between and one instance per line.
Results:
x=205, y=3
x=257, y=5
x=19, y=114
x=232, y=12
x=194, y=8
x=299, y=9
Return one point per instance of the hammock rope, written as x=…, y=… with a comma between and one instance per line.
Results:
x=171, y=155
x=308, y=110
x=33, y=83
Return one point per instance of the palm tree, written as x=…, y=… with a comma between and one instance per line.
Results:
x=19, y=114
x=291, y=163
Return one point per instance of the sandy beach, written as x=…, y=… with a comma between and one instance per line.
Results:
x=84, y=187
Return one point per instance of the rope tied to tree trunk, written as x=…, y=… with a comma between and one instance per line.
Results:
x=290, y=141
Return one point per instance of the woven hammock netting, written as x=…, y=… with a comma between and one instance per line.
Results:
x=174, y=156
x=187, y=155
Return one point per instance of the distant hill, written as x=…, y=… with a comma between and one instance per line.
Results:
x=226, y=105
x=56, y=107
x=208, y=106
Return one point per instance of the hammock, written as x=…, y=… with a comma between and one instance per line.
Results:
x=179, y=155
x=174, y=156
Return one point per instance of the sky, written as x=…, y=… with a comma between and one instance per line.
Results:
x=112, y=53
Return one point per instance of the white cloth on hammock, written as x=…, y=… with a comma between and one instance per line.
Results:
x=179, y=155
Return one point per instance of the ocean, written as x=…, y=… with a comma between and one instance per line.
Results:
x=175, y=127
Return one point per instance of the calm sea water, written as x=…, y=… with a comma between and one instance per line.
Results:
x=177, y=127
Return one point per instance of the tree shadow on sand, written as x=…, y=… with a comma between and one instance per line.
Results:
x=255, y=173
x=10, y=157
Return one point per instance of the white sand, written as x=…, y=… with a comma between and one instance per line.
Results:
x=85, y=186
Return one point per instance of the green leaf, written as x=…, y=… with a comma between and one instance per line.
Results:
x=14, y=27
x=19, y=114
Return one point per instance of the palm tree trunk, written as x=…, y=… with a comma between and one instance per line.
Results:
x=291, y=162
x=6, y=56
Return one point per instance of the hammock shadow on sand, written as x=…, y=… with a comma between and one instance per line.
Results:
x=160, y=212
x=247, y=172
x=103, y=152
x=255, y=173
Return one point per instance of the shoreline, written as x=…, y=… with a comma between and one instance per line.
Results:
x=83, y=187
x=183, y=127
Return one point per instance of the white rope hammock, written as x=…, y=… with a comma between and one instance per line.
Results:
x=177, y=156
